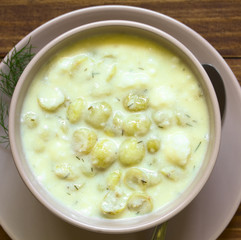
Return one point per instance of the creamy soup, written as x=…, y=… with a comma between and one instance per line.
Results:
x=115, y=126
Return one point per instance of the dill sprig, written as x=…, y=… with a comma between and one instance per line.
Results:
x=15, y=64
x=3, y=124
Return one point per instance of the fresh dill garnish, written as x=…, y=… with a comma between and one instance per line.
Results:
x=3, y=124
x=15, y=64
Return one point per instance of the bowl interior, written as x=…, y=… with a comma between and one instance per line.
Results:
x=113, y=225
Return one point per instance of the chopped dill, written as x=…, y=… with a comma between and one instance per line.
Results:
x=197, y=146
x=94, y=73
x=66, y=176
x=143, y=181
x=130, y=105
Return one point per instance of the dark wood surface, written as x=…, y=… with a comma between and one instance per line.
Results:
x=219, y=22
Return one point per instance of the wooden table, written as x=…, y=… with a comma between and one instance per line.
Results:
x=217, y=21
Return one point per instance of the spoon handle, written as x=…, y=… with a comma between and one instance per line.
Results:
x=160, y=232
x=218, y=85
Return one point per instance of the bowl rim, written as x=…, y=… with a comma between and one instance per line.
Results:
x=106, y=227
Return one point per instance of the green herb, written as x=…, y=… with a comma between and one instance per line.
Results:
x=94, y=73
x=15, y=64
x=143, y=181
x=197, y=146
x=130, y=105
x=3, y=124
x=66, y=176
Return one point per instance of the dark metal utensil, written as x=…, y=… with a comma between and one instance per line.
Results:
x=160, y=232
x=218, y=85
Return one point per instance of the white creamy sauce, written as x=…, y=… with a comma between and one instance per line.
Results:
x=115, y=125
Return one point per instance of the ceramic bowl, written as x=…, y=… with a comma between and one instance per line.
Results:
x=102, y=224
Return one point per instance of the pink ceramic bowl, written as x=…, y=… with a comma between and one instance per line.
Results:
x=101, y=224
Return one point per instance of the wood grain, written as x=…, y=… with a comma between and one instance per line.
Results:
x=217, y=21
